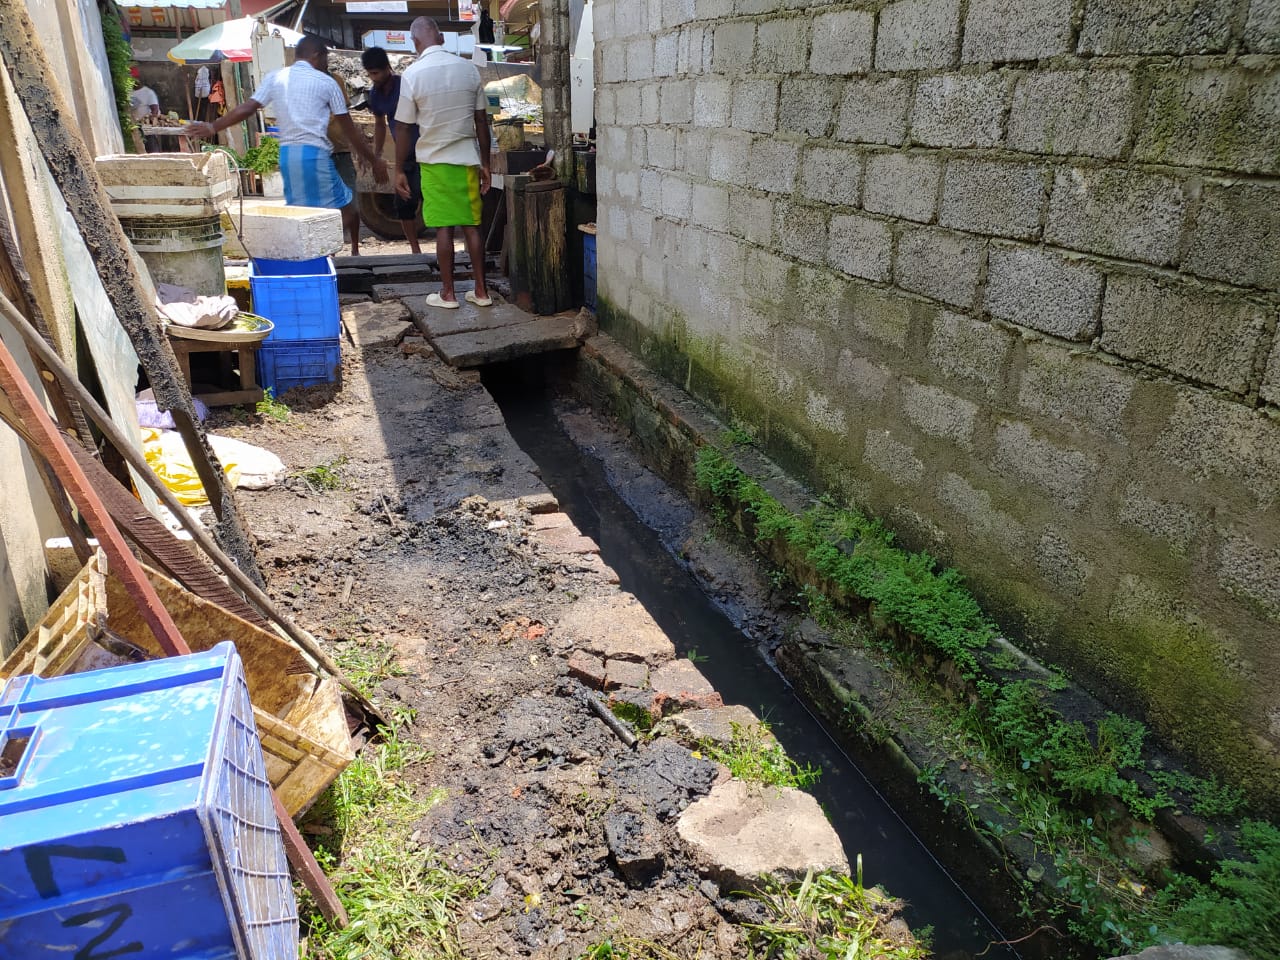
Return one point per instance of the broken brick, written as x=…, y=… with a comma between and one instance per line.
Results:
x=679, y=685
x=625, y=673
x=590, y=670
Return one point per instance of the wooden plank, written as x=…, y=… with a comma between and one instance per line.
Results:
x=506, y=343
x=468, y=318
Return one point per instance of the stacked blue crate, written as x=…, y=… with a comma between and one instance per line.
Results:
x=136, y=817
x=300, y=298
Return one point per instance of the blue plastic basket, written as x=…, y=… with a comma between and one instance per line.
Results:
x=300, y=297
x=589, y=270
x=299, y=363
x=136, y=817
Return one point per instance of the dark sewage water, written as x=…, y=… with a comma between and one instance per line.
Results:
x=892, y=854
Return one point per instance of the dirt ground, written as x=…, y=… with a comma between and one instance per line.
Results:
x=423, y=554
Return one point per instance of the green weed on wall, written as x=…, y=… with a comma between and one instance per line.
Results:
x=119, y=59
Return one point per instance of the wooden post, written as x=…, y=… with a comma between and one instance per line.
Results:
x=73, y=170
x=539, y=275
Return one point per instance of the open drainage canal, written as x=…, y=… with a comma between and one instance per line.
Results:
x=740, y=669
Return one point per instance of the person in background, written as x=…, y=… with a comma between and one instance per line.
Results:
x=144, y=104
x=305, y=97
x=383, y=99
x=443, y=95
x=342, y=159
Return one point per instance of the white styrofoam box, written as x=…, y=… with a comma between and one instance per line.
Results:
x=168, y=184
x=274, y=231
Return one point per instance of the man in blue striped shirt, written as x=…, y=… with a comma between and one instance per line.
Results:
x=305, y=97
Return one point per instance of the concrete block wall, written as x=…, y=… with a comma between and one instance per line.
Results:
x=1005, y=273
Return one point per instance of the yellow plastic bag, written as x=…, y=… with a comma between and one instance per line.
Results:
x=167, y=455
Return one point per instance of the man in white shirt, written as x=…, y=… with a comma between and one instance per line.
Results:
x=305, y=97
x=443, y=95
x=144, y=104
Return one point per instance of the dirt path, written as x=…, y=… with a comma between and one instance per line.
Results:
x=424, y=569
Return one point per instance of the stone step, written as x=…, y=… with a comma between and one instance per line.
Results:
x=534, y=335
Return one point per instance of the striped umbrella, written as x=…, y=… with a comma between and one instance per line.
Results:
x=229, y=40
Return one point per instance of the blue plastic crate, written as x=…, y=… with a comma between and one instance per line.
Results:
x=299, y=363
x=589, y=269
x=300, y=297
x=136, y=817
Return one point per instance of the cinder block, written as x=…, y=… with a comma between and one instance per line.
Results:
x=984, y=522
x=605, y=108
x=874, y=111
x=1003, y=30
x=1075, y=387
x=615, y=62
x=867, y=380
x=755, y=105
x=627, y=97
x=1225, y=442
x=649, y=104
x=1122, y=27
x=712, y=102
x=959, y=110
x=833, y=174
x=677, y=101
x=1175, y=524
x=807, y=106
x=626, y=184
x=1118, y=213
x=660, y=145
x=902, y=185
x=651, y=190
x=1065, y=474
x=1271, y=378
x=893, y=458
x=802, y=232
x=694, y=152
x=1059, y=565
x=1251, y=572
x=842, y=42
x=1044, y=291
x=1223, y=118
x=726, y=261
x=676, y=12
x=825, y=414
x=860, y=246
x=1262, y=31
x=939, y=264
x=803, y=349
x=1000, y=199
x=751, y=217
x=1236, y=235
x=666, y=52
x=733, y=46
x=782, y=45
x=1182, y=328
x=918, y=35
x=730, y=156
x=819, y=289
x=773, y=165
x=939, y=414
x=1076, y=112
x=883, y=315
x=640, y=58
x=711, y=206
x=971, y=350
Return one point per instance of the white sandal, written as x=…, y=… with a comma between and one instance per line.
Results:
x=435, y=300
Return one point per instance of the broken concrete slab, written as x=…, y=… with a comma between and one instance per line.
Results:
x=625, y=673
x=1180, y=951
x=716, y=725
x=742, y=833
x=468, y=318
x=551, y=521
x=567, y=540
x=418, y=289
x=540, y=503
x=370, y=323
x=507, y=343
x=615, y=627
x=679, y=685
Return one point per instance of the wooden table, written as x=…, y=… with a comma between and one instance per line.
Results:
x=249, y=391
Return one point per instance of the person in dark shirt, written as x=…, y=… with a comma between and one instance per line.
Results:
x=382, y=99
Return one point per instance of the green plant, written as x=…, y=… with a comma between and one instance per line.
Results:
x=753, y=754
x=263, y=158
x=634, y=714
x=1209, y=797
x=624, y=947
x=696, y=657
x=832, y=916
x=403, y=901
x=324, y=476
x=119, y=60
x=367, y=664
x=269, y=406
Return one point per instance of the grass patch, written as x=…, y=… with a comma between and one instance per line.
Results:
x=832, y=916
x=624, y=947
x=634, y=714
x=403, y=901
x=754, y=755
x=269, y=406
x=324, y=476
x=366, y=664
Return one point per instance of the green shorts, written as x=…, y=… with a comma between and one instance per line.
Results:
x=450, y=195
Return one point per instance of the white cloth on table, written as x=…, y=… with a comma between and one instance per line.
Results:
x=181, y=306
x=304, y=99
